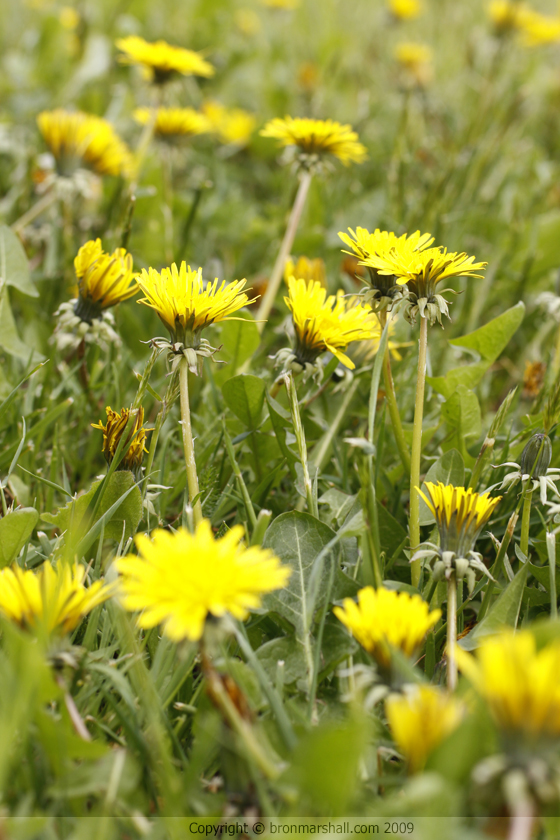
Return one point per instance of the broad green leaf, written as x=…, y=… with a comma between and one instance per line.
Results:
x=449, y=469
x=130, y=511
x=392, y=535
x=332, y=745
x=488, y=342
x=503, y=613
x=542, y=574
x=9, y=338
x=297, y=538
x=15, y=529
x=461, y=413
x=240, y=339
x=244, y=395
x=337, y=645
x=14, y=265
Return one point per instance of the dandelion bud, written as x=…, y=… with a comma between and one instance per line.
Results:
x=536, y=457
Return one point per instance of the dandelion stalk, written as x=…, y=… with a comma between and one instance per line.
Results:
x=277, y=272
x=526, y=521
x=414, y=522
x=39, y=207
x=302, y=445
x=188, y=443
x=451, y=632
x=392, y=404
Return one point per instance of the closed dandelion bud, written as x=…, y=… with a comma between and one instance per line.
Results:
x=461, y=567
x=536, y=457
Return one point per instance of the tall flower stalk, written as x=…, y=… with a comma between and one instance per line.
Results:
x=186, y=306
x=460, y=516
x=409, y=262
x=309, y=144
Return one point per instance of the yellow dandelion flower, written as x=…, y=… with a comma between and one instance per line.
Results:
x=420, y=720
x=161, y=60
x=519, y=683
x=113, y=432
x=507, y=14
x=185, y=305
x=281, y=4
x=181, y=578
x=460, y=514
x=537, y=29
x=384, y=290
x=317, y=138
x=53, y=600
x=69, y=18
x=306, y=269
x=405, y=9
x=364, y=352
x=383, y=619
x=325, y=323
x=416, y=59
x=174, y=123
x=232, y=125
x=103, y=279
x=77, y=139
x=421, y=271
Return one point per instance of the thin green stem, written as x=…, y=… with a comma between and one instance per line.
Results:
x=188, y=444
x=39, y=207
x=392, y=404
x=239, y=478
x=291, y=390
x=319, y=454
x=414, y=522
x=451, y=632
x=526, y=522
x=278, y=271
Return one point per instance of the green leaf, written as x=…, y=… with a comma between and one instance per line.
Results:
x=130, y=511
x=9, y=338
x=449, y=469
x=330, y=745
x=337, y=645
x=392, y=535
x=244, y=395
x=14, y=265
x=503, y=613
x=240, y=339
x=542, y=574
x=297, y=538
x=281, y=422
x=488, y=341
x=462, y=415
x=15, y=529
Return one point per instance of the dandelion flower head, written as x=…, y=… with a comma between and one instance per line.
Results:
x=383, y=619
x=79, y=139
x=180, y=579
x=185, y=304
x=162, y=60
x=325, y=323
x=420, y=720
x=317, y=138
x=53, y=600
x=519, y=683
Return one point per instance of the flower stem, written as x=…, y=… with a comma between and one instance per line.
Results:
x=392, y=404
x=414, y=522
x=188, y=444
x=277, y=272
x=451, y=632
x=302, y=445
x=526, y=522
x=39, y=207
